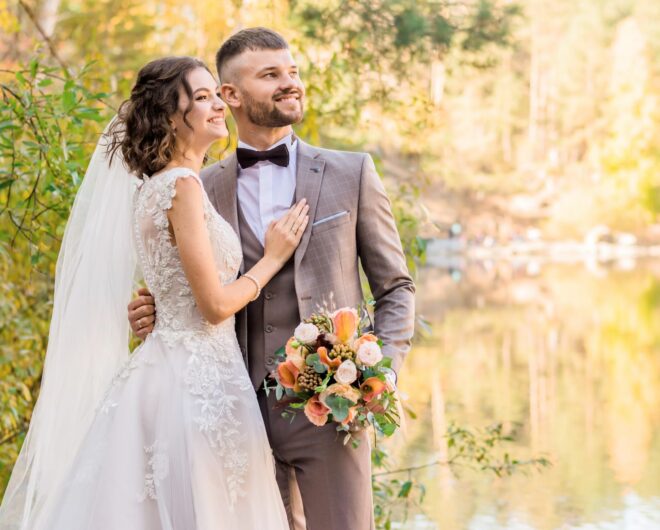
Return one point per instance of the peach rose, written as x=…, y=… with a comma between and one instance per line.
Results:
x=372, y=388
x=306, y=333
x=369, y=353
x=345, y=391
x=295, y=354
x=346, y=373
x=287, y=373
x=345, y=322
x=367, y=337
x=292, y=346
x=316, y=411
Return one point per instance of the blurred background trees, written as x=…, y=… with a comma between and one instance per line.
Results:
x=503, y=116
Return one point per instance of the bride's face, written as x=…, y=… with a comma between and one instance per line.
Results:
x=206, y=117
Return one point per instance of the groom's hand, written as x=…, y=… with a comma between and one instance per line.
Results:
x=142, y=314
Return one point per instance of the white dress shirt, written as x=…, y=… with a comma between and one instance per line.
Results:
x=266, y=190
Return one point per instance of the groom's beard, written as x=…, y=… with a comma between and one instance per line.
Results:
x=268, y=115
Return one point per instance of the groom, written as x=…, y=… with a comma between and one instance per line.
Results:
x=350, y=223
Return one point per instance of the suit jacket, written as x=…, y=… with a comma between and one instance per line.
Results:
x=351, y=222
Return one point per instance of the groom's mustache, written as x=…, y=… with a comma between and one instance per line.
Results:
x=289, y=92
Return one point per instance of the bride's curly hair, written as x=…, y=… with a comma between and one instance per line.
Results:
x=142, y=130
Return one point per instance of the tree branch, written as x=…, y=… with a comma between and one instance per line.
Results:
x=51, y=46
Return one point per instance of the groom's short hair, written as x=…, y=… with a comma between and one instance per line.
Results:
x=252, y=39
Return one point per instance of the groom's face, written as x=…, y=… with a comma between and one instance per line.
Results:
x=265, y=88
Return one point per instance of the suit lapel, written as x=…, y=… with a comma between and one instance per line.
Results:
x=309, y=177
x=225, y=191
x=225, y=194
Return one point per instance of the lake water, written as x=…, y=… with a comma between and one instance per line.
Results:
x=571, y=354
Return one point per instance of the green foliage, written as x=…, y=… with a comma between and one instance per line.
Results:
x=361, y=52
x=477, y=449
x=48, y=123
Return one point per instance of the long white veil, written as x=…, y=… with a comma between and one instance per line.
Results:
x=88, y=338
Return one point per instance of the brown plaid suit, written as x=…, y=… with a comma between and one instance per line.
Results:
x=350, y=223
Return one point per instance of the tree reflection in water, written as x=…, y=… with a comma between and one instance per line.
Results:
x=573, y=355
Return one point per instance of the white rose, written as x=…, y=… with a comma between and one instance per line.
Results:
x=346, y=373
x=306, y=333
x=369, y=353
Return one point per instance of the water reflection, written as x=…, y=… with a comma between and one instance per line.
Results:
x=572, y=353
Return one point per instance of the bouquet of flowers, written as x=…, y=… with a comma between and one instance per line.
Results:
x=336, y=374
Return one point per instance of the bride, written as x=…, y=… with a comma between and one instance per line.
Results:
x=170, y=437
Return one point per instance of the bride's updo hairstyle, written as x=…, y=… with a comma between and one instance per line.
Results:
x=142, y=130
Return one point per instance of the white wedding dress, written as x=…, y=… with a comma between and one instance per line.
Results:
x=178, y=442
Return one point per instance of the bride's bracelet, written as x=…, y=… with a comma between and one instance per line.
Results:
x=256, y=284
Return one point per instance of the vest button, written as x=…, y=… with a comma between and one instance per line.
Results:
x=269, y=328
x=268, y=295
x=270, y=361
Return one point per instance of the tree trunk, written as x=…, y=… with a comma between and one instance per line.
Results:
x=48, y=16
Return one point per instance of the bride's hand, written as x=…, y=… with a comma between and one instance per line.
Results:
x=284, y=235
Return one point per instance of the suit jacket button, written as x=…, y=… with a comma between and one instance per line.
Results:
x=269, y=328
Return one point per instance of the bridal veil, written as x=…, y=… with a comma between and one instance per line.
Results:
x=88, y=339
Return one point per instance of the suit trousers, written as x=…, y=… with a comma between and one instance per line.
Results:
x=333, y=479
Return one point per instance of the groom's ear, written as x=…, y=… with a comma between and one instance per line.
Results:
x=229, y=94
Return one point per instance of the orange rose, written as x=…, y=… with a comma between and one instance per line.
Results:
x=316, y=411
x=345, y=322
x=325, y=359
x=367, y=337
x=287, y=374
x=372, y=388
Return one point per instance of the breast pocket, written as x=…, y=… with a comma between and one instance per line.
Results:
x=329, y=222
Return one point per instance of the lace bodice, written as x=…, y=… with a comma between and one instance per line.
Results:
x=177, y=313
x=214, y=371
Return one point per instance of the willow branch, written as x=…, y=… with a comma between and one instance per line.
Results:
x=49, y=42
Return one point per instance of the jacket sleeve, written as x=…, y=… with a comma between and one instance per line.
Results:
x=383, y=261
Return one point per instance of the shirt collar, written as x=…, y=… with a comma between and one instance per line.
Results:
x=290, y=141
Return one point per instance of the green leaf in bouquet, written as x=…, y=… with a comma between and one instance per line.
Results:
x=314, y=361
x=290, y=392
x=279, y=392
x=280, y=354
x=324, y=383
x=339, y=406
x=387, y=429
x=268, y=388
x=297, y=405
x=370, y=372
x=386, y=362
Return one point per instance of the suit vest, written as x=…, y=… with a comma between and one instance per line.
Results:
x=273, y=316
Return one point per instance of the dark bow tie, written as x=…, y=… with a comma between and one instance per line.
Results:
x=249, y=157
